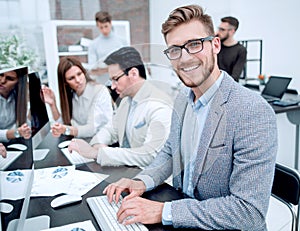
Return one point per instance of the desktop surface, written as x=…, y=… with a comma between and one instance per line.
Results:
x=78, y=212
x=287, y=97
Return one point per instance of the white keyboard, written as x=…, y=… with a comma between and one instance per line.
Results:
x=105, y=214
x=75, y=158
x=10, y=158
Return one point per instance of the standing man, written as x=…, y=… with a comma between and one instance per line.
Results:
x=106, y=43
x=141, y=124
x=232, y=57
x=222, y=147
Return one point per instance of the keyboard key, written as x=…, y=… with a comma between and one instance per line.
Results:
x=75, y=158
x=105, y=214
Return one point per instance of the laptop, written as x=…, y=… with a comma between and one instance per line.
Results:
x=275, y=88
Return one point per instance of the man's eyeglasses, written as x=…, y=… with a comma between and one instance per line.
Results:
x=223, y=29
x=192, y=47
x=115, y=79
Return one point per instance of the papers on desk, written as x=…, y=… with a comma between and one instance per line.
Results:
x=13, y=184
x=85, y=225
x=48, y=182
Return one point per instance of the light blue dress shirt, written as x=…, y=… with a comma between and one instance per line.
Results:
x=197, y=112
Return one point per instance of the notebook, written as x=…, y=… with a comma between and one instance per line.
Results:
x=275, y=88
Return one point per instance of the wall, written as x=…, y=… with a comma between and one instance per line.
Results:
x=275, y=22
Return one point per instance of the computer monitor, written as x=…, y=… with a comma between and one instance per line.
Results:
x=16, y=96
x=40, y=127
x=15, y=102
x=40, y=124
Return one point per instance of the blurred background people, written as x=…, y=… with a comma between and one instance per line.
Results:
x=233, y=55
x=13, y=105
x=102, y=46
x=86, y=106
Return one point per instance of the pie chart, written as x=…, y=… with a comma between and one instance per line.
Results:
x=59, y=173
x=15, y=177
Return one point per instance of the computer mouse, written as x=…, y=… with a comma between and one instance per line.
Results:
x=64, y=144
x=20, y=147
x=5, y=207
x=65, y=200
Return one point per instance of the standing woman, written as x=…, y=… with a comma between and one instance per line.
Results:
x=86, y=106
x=13, y=104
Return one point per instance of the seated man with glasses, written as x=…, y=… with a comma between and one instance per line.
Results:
x=232, y=57
x=142, y=121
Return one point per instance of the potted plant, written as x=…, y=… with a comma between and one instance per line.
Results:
x=14, y=52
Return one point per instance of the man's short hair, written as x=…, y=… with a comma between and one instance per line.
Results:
x=231, y=21
x=102, y=17
x=127, y=58
x=185, y=14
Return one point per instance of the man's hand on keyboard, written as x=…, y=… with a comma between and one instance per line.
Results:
x=141, y=210
x=83, y=148
x=2, y=150
x=133, y=187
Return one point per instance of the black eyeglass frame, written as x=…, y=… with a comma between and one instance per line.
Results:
x=209, y=38
x=115, y=80
x=224, y=29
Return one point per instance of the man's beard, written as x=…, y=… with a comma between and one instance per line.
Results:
x=206, y=73
x=224, y=39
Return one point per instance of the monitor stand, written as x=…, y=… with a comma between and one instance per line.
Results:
x=31, y=224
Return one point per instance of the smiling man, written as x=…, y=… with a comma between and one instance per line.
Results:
x=220, y=142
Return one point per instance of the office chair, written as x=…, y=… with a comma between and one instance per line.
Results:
x=252, y=86
x=286, y=188
x=291, y=91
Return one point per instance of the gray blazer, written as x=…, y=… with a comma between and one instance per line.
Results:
x=235, y=164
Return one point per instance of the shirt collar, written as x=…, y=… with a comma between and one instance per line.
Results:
x=9, y=99
x=86, y=92
x=206, y=97
x=140, y=94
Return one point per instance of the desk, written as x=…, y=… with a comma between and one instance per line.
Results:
x=80, y=212
x=293, y=115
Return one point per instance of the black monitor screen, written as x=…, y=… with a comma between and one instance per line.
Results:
x=40, y=125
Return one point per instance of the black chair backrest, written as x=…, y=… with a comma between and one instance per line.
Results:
x=252, y=86
x=286, y=184
x=291, y=91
